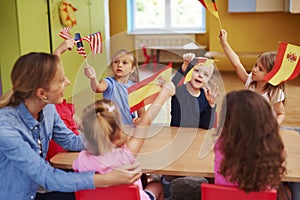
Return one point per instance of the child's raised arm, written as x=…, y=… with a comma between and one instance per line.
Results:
x=184, y=69
x=96, y=86
x=233, y=57
x=187, y=58
x=136, y=141
x=66, y=44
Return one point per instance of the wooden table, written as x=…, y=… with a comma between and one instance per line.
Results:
x=179, y=151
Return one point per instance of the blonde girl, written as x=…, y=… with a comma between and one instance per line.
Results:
x=108, y=147
x=125, y=74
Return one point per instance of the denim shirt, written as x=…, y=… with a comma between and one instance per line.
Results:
x=22, y=167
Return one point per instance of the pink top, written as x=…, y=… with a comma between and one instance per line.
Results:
x=105, y=163
x=219, y=178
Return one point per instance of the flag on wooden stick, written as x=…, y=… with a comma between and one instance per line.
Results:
x=95, y=41
x=144, y=92
x=211, y=6
x=79, y=45
x=286, y=66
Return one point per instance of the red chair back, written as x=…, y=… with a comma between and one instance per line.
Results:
x=123, y=192
x=215, y=192
x=149, y=58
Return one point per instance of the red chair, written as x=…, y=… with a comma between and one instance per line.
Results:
x=148, y=58
x=121, y=192
x=215, y=192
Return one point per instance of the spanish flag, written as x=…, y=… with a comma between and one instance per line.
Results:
x=201, y=62
x=286, y=66
x=144, y=92
x=211, y=6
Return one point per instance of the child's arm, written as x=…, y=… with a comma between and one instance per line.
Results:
x=140, y=112
x=184, y=69
x=66, y=44
x=233, y=57
x=187, y=58
x=96, y=86
x=280, y=112
x=137, y=140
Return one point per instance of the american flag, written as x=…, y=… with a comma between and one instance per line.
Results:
x=79, y=44
x=95, y=41
x=65, y=34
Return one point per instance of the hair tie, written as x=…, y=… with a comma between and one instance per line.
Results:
x=110, y=108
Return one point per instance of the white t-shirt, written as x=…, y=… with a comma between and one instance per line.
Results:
x=280, y=97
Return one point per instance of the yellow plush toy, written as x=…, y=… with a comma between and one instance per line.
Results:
x=67, y=14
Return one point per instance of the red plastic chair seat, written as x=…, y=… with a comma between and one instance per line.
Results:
x=121, y=192
x=216, y=192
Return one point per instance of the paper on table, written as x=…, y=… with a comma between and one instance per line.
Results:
x=190, y=45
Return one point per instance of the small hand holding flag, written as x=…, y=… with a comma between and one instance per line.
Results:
x=95, y=41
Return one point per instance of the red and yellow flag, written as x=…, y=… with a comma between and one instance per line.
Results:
x=144, y=92
x=211, y=6
x=201, y=62
x=286, y=66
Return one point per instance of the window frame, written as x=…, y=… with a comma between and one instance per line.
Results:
x=131, y=29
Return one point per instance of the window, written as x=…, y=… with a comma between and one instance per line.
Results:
x=165, y=16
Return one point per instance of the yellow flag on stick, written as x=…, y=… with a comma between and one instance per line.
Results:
x=286, y=66
x=144, y=92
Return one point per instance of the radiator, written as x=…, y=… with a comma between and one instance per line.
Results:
x=162, y=40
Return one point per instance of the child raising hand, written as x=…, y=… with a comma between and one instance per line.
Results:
x=254, y=81
x=124, y=66
x=194, y=104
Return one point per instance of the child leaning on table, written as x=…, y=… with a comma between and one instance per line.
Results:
x=108, y=147
x=194, y=104
x=249, y=152
x=125, y=74
x=254, y=81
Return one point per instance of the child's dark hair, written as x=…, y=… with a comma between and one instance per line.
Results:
x=253, y=150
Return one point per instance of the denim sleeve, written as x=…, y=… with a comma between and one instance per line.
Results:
x=25, y=167
x=64, y=136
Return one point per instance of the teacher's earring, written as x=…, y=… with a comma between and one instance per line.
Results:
x=45, y=97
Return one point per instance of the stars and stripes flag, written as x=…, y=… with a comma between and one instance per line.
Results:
x=211, y=6
x=95, y=41
x=65, y=34
x=286, y=66
x=79, y=45
x=145, y=91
